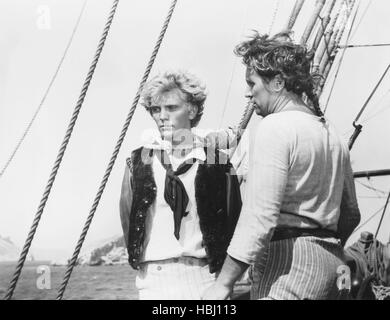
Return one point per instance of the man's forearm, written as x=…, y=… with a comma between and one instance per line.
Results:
x=231, y=271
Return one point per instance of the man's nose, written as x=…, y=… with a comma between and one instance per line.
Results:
x=248, y=93
x=163, y=114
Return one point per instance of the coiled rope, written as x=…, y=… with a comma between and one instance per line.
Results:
x=114, y=155
x=35, y=115
x=60, y=154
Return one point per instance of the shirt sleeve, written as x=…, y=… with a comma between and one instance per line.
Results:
x=349, y=210
x=224, y=138
x=125, y=203
x=266, y=183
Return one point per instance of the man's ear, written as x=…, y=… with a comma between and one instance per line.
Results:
x=193, y=111
x=277, y=83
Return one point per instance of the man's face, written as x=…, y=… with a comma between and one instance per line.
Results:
x=172, y=114
x=258, y=92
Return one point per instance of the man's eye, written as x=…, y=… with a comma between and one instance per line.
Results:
x=155, y=109
x=171, y=108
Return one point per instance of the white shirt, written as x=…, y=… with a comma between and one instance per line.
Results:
x=160, y=242
x=296, y=176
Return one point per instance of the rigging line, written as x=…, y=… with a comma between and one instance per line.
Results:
x=365, y=45
x=370, y=187
x=35, y=115
x=234, y=68
x=361, y=18
x=312, y=21
x=373, y=188
x=276, y=10
x=368, y=220
x=327, y=62
x=324, y=24
x=372, y=94
x=383, y=214
x=341, y=58
x=61, y=153
x=115, y=153
x=371, y=197
x=374, y=114
x=294, y=14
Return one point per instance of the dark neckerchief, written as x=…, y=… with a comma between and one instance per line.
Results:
x=175, y=193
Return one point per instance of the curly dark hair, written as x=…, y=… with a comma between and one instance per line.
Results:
x=279, y=55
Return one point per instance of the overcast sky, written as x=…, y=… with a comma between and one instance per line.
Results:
x=201, y=39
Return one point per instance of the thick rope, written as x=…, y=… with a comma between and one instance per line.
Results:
x=35, y=115
x=114, y=155
x=323, y=25
x=328, y=59
x=60, y=154
x=342, y=56
x=324, y=43
x=312, y=21
x=294, y=14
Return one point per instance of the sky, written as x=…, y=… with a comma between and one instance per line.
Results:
x=200, y=38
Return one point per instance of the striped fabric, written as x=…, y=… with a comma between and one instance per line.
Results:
x=184, y=278
x=298, y=268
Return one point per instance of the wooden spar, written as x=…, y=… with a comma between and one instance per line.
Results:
x=312, y=21
x=323, y=24
x=294, y=14
x=372, y=173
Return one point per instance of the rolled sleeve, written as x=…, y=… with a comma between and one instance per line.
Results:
x=266, y=183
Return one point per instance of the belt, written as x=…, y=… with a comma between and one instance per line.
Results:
x=288, y=233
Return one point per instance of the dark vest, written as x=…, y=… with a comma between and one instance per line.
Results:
x=218, y=201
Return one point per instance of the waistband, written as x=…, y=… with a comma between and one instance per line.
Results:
x=288, y=233
x=191, y=261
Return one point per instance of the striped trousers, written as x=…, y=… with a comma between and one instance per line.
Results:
x=297, y=269
x=184, y=278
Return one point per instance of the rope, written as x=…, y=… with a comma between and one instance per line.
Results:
x=114, y=155
x=35, y=115
x=60, y=154
x=323, y=25
x=309, y=28
x=362, y=17
x=371, y=188
x=383, y=214
x=368, y=220
x=234, y=68
x=327, y=60
x=276, y=10
x=324, y=43
x=294, y=14
x=365, y=45
x=341, y=58
x=372, y=94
